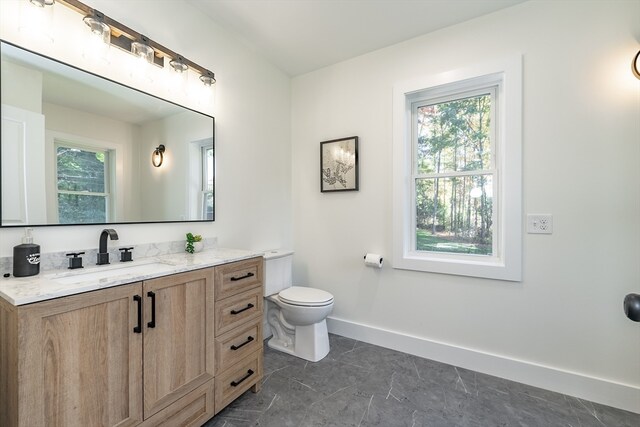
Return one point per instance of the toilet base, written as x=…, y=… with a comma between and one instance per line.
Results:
x=310, y=342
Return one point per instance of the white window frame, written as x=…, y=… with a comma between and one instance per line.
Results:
x=108, y=176
x=205, y=178
x=506, y=261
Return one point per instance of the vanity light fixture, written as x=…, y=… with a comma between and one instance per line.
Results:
x=131, y=41
x=158, y=156
x=635, y=65
x=142, y=50
x=178, y=65
x=208, y=78
x=98, y=28
x=42, y=3
x=36, y=19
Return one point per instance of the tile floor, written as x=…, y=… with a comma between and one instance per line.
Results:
x=359, y=384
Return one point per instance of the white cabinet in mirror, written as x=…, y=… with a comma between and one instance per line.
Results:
x=76, y=149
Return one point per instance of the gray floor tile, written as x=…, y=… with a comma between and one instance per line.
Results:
x=363, y=385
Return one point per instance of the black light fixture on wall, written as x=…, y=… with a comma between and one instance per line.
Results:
x=157, y=157
x=635, y=65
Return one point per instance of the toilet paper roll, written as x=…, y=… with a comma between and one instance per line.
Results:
x=373, y=260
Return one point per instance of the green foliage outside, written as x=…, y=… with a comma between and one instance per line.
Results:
x=81, y=173
x=454, y=213
x=426, y=241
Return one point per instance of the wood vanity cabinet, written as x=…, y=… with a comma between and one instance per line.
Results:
x=238, y=325
x=106, y=358
x=72, y=361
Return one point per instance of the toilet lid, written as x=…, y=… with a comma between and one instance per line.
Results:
x=299, y=295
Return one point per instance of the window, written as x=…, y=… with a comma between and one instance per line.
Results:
x=457, y=173
x=83, y=178
x=207, y=182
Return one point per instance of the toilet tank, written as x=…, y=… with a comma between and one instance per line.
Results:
x=277, y=271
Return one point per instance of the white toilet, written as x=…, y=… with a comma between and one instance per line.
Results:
x=295, y=314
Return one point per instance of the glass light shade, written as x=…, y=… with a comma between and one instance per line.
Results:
x=97, y=43
x=42, y=3
x=635, y=65
x=142, y=51
x=178, y=65
x=36, y=19
x=208, y=78
x=98, y=29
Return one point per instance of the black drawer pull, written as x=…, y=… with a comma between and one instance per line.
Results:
x=237, y=383
x=235, y=279
x=138, y=299
x=240, y=311
x=152, y=324
x=235, y=347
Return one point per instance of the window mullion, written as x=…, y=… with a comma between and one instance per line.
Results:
x=454, y=174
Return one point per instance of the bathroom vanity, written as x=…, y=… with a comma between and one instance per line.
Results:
x=170, y=350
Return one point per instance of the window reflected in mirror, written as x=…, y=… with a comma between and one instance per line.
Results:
x=76, y=149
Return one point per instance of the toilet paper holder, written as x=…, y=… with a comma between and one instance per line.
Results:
x=373, y=260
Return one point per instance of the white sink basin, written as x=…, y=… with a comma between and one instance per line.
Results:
x=99, y=273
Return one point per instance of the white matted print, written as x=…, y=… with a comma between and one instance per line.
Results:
x=339, y=165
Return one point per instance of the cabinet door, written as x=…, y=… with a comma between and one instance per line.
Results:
x=81, y=362
x=178, y=338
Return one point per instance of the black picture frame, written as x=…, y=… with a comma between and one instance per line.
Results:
x=339, y=165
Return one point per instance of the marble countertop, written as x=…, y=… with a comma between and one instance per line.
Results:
x=58, y=283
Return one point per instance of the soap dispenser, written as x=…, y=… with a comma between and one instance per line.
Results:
x=26, y=257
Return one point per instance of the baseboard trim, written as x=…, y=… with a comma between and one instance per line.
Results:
x=606, y=392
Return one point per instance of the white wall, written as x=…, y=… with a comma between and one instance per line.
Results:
x=581, y=145
x=176, y=132
x=81, y=127
x=252, y=111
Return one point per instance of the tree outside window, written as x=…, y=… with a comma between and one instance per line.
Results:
x=454, y=175
x=82, y=184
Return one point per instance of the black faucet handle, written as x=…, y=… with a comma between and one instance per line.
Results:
x=125, y=254
x=75, y=260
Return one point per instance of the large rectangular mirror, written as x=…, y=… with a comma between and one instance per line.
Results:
x=77, y=148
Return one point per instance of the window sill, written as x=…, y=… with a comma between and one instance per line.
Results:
x=465, y=265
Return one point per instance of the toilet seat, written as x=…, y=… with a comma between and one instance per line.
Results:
x=305, y=297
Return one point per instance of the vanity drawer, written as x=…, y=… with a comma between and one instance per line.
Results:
x=192, y=410
x=237, y=277
x=237, y=344
x=238, y=309
x=236, y=380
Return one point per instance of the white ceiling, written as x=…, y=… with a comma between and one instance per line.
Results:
x=299, y=36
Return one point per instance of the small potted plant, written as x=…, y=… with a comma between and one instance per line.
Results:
x=194, y=243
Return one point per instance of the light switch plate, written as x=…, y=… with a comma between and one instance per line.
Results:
x=540, y=224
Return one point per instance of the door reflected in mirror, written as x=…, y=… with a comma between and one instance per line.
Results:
x=77, y=148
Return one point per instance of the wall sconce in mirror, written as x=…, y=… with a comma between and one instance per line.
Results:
x=157, y=157
x=635, y=65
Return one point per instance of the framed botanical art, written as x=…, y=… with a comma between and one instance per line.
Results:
x=339, y=165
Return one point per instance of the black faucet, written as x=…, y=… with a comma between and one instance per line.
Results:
x=103, y=255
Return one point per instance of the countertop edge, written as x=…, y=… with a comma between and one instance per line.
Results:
x=43, y=287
